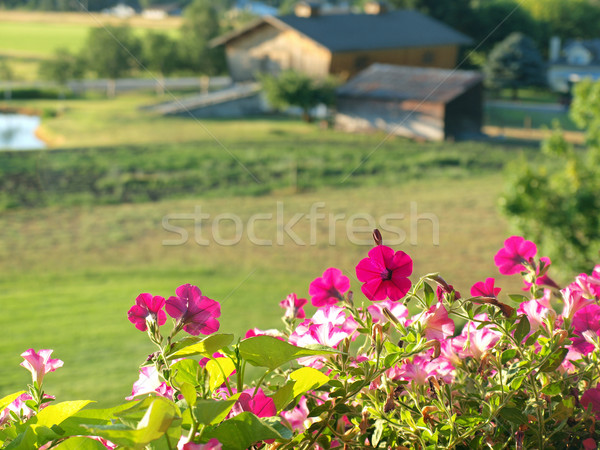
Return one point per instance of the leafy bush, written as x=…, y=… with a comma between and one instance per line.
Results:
x=353, y=375
x=557, y=203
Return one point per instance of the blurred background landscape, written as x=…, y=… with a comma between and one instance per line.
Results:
x=114, y=116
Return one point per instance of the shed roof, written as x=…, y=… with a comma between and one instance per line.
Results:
x=352, y=32
x=389, y=82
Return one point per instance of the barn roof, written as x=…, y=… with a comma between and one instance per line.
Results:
x=352, y=32
x=389, y=82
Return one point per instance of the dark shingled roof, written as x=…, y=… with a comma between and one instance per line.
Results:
x=351, y=32
x=389, y=82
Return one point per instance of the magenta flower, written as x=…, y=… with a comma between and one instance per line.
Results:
x=321, y=334
x=329, y=288
x=39, y=364
x=589, y=444
x=590, y=400
x=256, y=403
x=197, y=313
x=147, y=307
x=385, y=274
x=294, y=307
x=442, y=292
x=586, y=320
x=516, y=252
x=588, y=285
x=473, y=342
x=543, y=280
x=336, y=316
x=252, y=332
x=485, y=289
x=435, y=322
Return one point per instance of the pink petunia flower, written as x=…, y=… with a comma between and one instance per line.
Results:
x=294, y=307
x=329, y=288
x=586, y=320
x=147, y=307
x=435, y=322
x=543, y=280
x=485, y=288
x=449, y=293
x=322, y=334
x=297, y=416
x=573, y=301
x=197, y=313
x=588, y=285
x=336, y=316
x=421, y=368
x=256, y=403
x=258, y=332
x=589, y=444
x=39, y=364
x=516, y=252
x=149, y=383
x=537, y=311
x=474, y=342
x=212, y=444
x=385, y=274
x=19, y=407
x=590, y=400
x=399, y=311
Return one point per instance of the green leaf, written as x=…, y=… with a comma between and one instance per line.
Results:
x=73, y=425
x=56, y=414
x=218, y=370
x=80, y=443
x=204, y=347
x=513, y=415
x=270, y=352
x=185, y=371
x=517, y=382
x=4, y=402
x=507, y=355
x=210, y=411
x=522, y=329
x=552, y=389
x=161, y=415
x=554, y=360
x=189, y=393
x=518, y=298
x=241, y=431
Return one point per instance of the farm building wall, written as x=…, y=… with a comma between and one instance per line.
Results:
x=411, y=119
x=348, y=64
x=463, y=116
x=269, y=50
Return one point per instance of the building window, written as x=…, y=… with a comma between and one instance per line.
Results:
x=428, y=57
x=361, y=62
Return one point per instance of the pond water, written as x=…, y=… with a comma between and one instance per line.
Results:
x=17, y=132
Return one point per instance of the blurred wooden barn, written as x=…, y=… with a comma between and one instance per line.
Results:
x=416, y=102
x=339, y=44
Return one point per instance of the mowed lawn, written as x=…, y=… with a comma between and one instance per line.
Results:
x=68, y=276
x=40, y=34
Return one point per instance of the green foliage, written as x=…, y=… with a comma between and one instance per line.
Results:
x=291, y=88
x=201, y=24
x=567, y=19
x=64, y=66
x=514, y=63
x=111, y=51
x=557, y=204
x=159, y=53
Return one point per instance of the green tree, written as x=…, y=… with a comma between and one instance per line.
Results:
x=159, y=53
x=567, y=18
x=557, y=204
x=6, y=74
x=515, y=63
x=291, y=88
x=112, y=52
x=200, y=25
x=64, y=66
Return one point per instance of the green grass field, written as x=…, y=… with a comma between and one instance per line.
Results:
x=38, y=35
x=72, y=267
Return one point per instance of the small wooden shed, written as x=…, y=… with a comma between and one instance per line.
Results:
x=341, y=44
x=416, y=102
